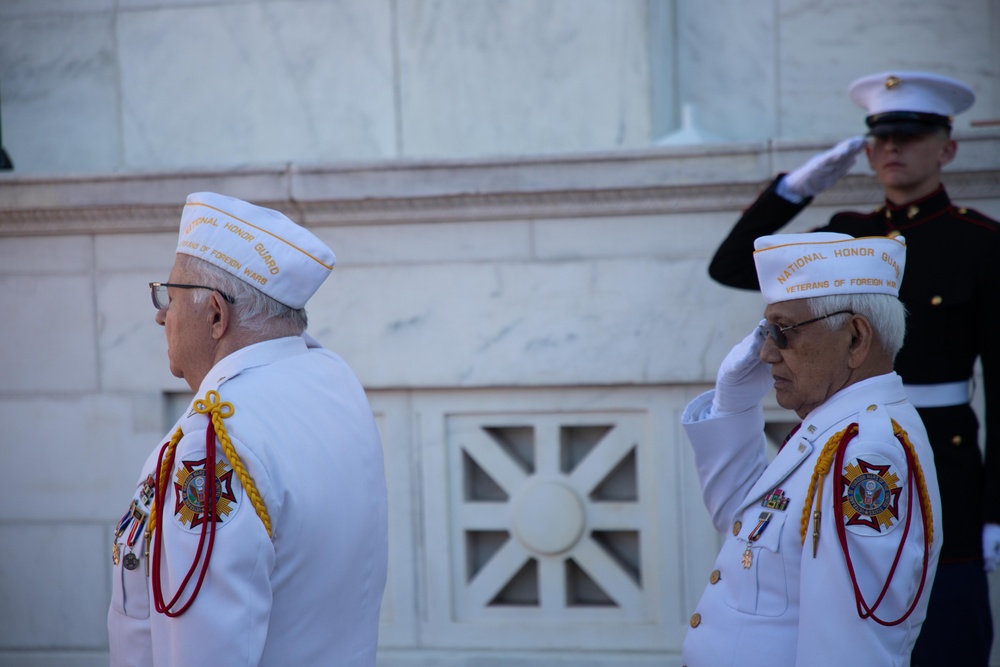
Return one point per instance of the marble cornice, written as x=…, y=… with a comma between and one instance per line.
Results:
x=614, y=184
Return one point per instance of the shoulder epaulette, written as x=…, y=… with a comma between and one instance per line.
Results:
x=974, y=217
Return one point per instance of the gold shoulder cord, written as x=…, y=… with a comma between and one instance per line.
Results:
x=816, y=483
x=826, y=457
x=925, y=501
x=218, y=410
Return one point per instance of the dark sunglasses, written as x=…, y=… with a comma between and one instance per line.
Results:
x=161, y=299
x=778, y=333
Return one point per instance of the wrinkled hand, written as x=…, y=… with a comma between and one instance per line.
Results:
x=821, y=171
x=743, y=379
x=991, y=546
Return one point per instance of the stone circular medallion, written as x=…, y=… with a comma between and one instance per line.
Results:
x=548, y=517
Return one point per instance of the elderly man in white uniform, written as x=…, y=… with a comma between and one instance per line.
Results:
x=830, y=548
x=257, y=534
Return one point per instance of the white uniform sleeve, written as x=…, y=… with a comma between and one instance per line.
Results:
x=730, y=454
x=227, y=622
x=874, y=505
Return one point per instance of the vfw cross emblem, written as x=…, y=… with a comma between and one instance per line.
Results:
x=871, y=500
x=190, y=491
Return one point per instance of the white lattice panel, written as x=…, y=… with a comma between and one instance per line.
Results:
x=546, y=517
x=555, y=520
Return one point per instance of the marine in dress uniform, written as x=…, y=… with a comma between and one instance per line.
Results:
x=288, y=565
x=829, y=550
x=952, y=297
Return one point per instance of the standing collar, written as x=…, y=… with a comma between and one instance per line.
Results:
x=901, y=215
x=251, y=356
x=878, y=390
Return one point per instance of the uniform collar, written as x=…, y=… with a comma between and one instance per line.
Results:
x=844, y=405
x=251, y=356
x=902, y=215
x=878, y=390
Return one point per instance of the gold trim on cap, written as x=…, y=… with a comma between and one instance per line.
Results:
x=892, y=82
x=328, y=267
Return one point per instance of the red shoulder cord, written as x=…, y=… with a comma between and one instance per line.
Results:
x=208, y=526
x=864, y=610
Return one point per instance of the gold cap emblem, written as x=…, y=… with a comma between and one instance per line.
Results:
x=892, y=82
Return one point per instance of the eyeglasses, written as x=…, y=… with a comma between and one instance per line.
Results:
x=778, y=333
x=161, y=299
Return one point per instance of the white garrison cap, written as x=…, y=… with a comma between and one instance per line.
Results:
x=910, y=102
x=260, y=246
x=802, y=266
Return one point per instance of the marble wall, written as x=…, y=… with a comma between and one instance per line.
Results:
x=781, y=68
x=99, y=86
x=540, y=301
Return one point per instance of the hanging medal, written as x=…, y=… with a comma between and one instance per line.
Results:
x=131, y=561
x=134, y=520
x=762, y=521
x=126, y=520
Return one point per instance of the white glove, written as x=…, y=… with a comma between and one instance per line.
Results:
x=743, y=379
x=991, y=546
x=821, y=171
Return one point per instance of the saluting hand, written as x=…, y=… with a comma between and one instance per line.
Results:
x=821, y=171
x=743, y=379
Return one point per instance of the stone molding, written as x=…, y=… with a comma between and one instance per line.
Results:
x=651, y=182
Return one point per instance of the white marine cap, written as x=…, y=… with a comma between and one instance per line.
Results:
x=260, y=246
x=910, y=102
x=802, y=266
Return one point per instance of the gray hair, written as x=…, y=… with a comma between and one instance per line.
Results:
x=884, y=312
x=255, y=310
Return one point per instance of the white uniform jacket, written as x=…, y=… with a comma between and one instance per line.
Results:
x=781, y=606
x=305, y=433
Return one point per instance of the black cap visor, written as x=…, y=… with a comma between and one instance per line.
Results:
x=905, y=123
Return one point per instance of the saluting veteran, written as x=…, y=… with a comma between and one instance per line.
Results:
x=257, y=531
x=952, y=276
x=830, y=549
